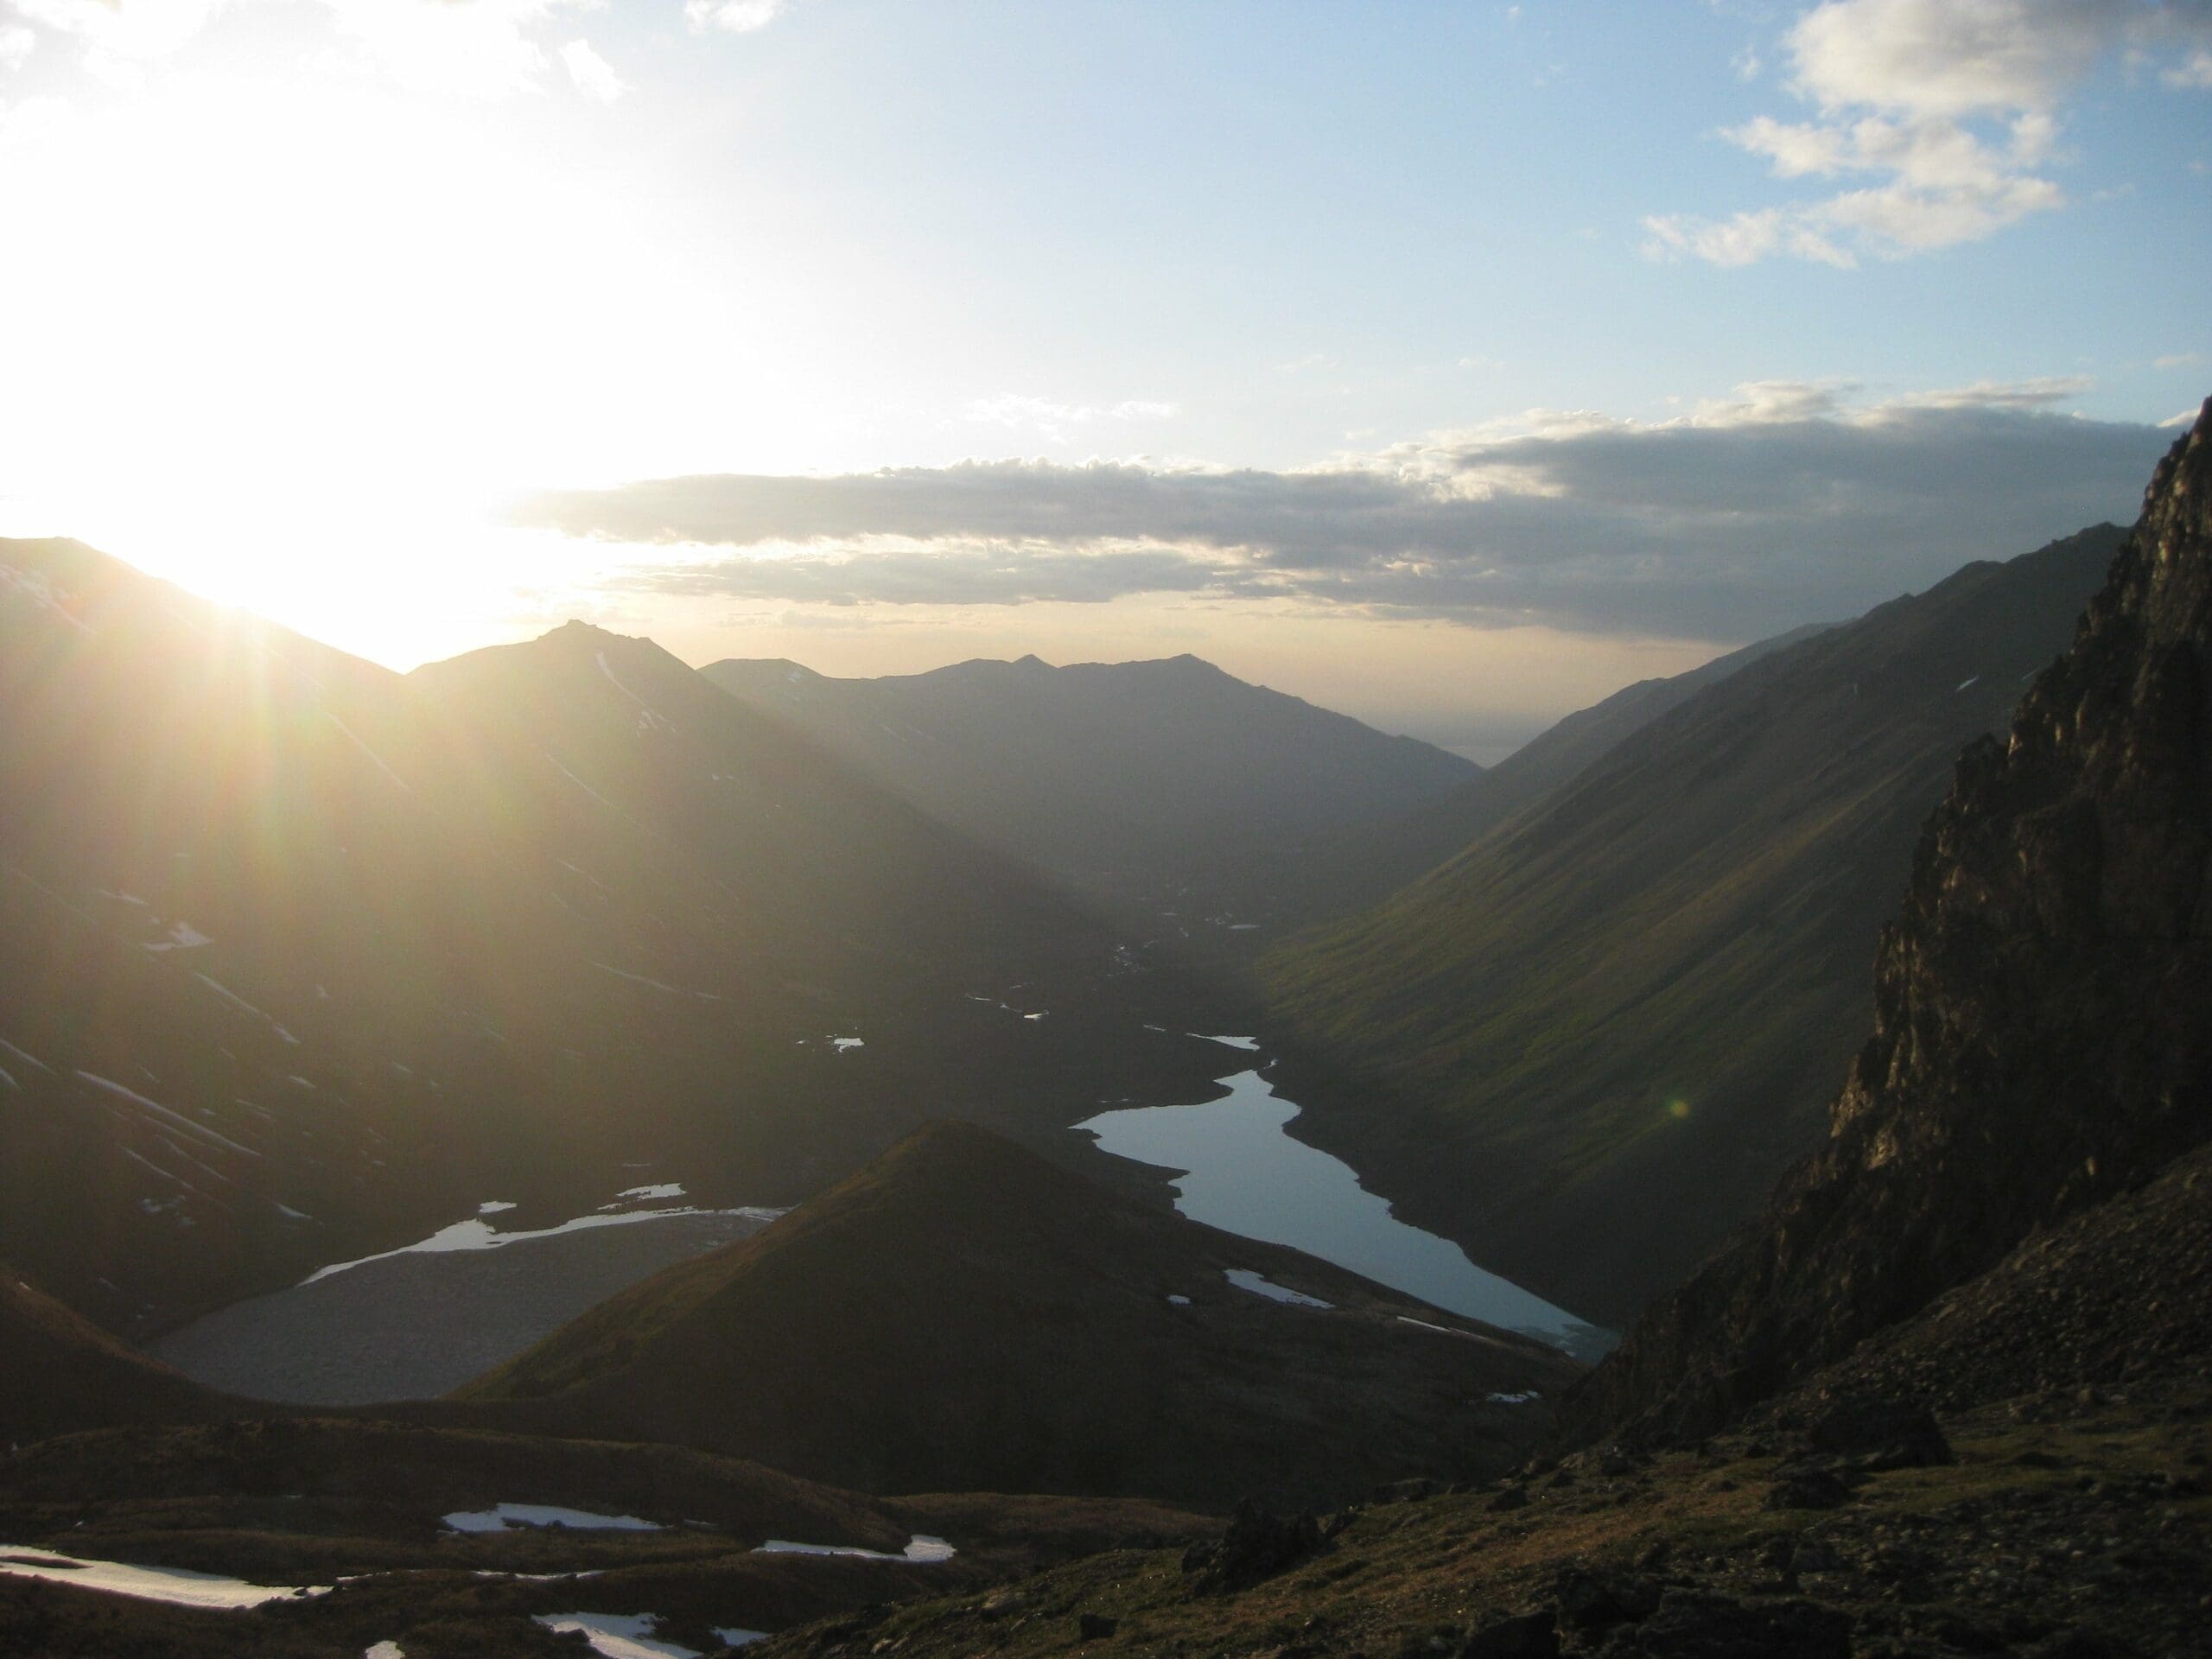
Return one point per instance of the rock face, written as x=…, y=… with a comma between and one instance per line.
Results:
x=2044, y=1009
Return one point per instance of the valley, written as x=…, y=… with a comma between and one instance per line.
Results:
x=680, y=1196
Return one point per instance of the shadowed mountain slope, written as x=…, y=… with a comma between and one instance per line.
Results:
x=1624, y=1006
x=1165, y=783
x=300, y=959
x=60, y=1373
x=962, y=1315
x=1380, y=860
x=2040, y=1040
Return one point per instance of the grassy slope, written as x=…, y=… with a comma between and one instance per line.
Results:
x=60, y=1373
x=1626, y=1005
x=964, y=1315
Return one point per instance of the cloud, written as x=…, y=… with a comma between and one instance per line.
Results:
x=738, y=16
x=593, y=75
x=476, y=48
x=1056, y=420
x=17, y=44
x=1947, y=109
x=1785, y=503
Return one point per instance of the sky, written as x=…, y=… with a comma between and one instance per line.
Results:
x=1451, y=365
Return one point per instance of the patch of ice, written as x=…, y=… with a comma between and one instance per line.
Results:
x=920, y=1547
x=1522, y=1399
x=173, y=1585
x=673, y=990
x=1251, y=1043
x=475, y=1234
x=504, y=1518
x=618, y=1635
x=366, y=750
x=1245, y=1279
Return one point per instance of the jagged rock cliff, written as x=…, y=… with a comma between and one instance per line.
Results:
x=2043, y=1029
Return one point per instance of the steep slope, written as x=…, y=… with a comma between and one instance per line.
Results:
x=1132, y=780
x=2040, y=1041
x=58, y=1373
x=1625, y=1006
x=962, y=1315
x=300, y=960
x=1379, y=860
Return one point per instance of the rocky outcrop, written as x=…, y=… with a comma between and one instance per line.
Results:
x=2042, y=1030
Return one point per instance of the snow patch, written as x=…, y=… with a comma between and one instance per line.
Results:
x=666, y=1189
x=476, y=1234
x=1522, y=1399
x=384, y=1650
x=173, y=1585
x=35, y=585
x=167, y=1116
x=1178, y=1301
x=1245, y=1279
x=356, y=742
x=840, y=1044
x=673, y=990
x=493, y=1207
x=618, y=1635
x=731, y=1637
x=27, y=1057
x=920, y=1547
x=183, y=936
x=1249, y=1043
x=1968, y=681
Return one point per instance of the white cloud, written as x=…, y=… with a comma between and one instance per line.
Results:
x=114, y=34
x=1947, y=108
x=1056, y=420
x=739, y=17
x=1785, y=502
x=2178, y=360
x=17, y=44
x=594, y=76
x=472, y=47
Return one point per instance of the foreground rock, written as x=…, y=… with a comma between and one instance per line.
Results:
x=2041, y=1042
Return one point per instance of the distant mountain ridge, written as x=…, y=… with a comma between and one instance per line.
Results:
x=2040, y=1043
x=1128, y=779
x=301, y=959
x=1624, y=1004
x=962, y=1315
